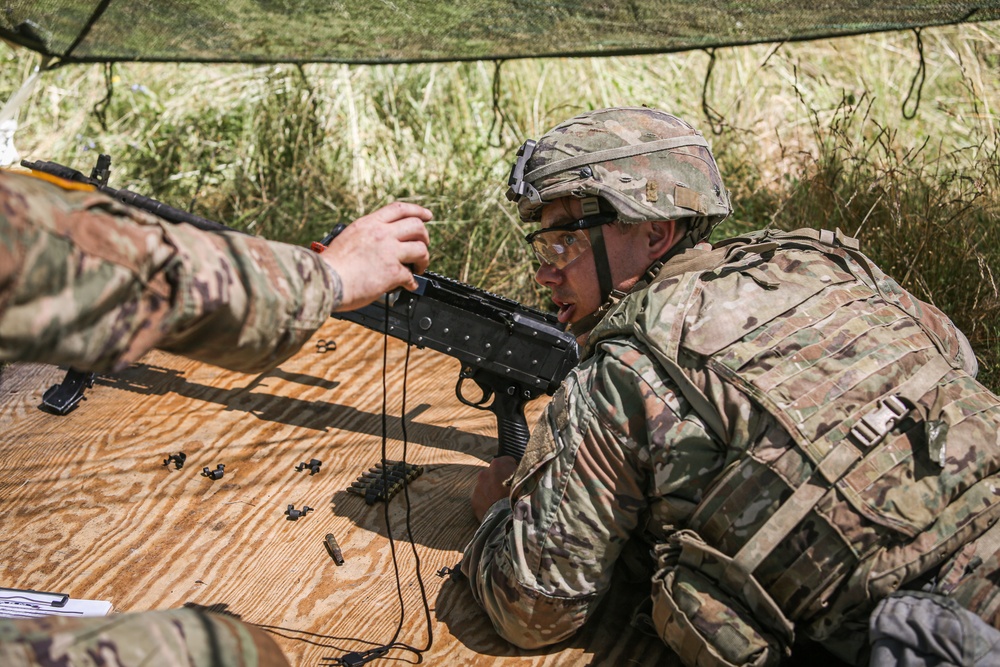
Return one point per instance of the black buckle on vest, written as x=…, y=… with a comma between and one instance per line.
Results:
x=875, y=425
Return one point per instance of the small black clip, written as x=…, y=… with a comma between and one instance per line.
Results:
x=353, y=659
x=323, y=345
x=62, y=398
x=214, y=474
x=454, y=571
x=177, y=459
x=313, y=466
x=294, y=514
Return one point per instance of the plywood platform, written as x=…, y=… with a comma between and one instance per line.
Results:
x=90, y=510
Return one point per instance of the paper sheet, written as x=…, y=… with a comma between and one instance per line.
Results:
x=17, y=603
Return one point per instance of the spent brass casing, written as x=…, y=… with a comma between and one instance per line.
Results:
x=331, y=545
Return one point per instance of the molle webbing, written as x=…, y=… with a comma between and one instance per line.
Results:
x=804, y=328
x=833, y=466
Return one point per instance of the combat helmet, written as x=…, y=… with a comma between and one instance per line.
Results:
x=646, y=163
x=643, y=163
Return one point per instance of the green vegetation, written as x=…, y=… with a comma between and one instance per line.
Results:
x=807, y=134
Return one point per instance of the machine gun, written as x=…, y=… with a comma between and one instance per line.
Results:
x=513, y=353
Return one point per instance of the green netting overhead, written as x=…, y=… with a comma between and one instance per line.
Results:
x=369, y=31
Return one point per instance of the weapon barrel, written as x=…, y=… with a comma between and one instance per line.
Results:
x=148, y=204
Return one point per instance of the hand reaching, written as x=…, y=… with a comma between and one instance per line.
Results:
x=371, y=254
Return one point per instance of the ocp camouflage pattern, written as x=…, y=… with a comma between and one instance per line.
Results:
x=680, y=183
x=186, y=637
x=730, y=385
x=88, y=281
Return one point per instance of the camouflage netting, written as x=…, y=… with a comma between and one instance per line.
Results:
x=375, y=31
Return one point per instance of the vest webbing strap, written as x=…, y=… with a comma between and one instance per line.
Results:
x=988, y=543
x=824, y=236
x=760, y=545
x=776, y=528
x=963, y=575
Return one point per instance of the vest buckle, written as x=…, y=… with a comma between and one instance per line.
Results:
x=874, y=426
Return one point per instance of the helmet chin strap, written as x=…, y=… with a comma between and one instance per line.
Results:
x=612, y=296
x=604, y=281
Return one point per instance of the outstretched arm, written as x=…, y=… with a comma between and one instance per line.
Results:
x=90, y=282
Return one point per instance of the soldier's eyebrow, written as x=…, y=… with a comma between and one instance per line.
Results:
x=562, y=216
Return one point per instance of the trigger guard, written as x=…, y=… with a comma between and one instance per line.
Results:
x=481, y=404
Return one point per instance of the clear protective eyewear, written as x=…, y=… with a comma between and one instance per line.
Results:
x=561, y=244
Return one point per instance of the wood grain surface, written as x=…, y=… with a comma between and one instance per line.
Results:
x=90, y=509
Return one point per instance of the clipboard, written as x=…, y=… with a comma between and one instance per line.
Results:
x=26, y=603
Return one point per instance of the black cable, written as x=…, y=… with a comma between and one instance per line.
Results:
x=406, y=495
x=356, y=658
x=498, y=111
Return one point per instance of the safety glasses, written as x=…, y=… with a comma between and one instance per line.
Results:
x=561, y=244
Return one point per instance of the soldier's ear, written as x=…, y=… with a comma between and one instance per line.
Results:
x=662, y=235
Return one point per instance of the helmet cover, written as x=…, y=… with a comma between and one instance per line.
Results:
x=646, y=163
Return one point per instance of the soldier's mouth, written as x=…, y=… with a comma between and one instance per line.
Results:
x=565, y=311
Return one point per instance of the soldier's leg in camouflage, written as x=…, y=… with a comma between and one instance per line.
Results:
x=177, y=637
x=917, y=629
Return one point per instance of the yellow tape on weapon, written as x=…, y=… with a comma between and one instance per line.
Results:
x=61, y=182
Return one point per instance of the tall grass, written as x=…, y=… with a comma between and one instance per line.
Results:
x=809, y=134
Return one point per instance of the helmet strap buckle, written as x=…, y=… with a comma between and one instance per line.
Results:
x=590, y=206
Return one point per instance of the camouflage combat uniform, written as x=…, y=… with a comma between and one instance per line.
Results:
x=717, y=416
x=175, y=638
x=87, y=281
